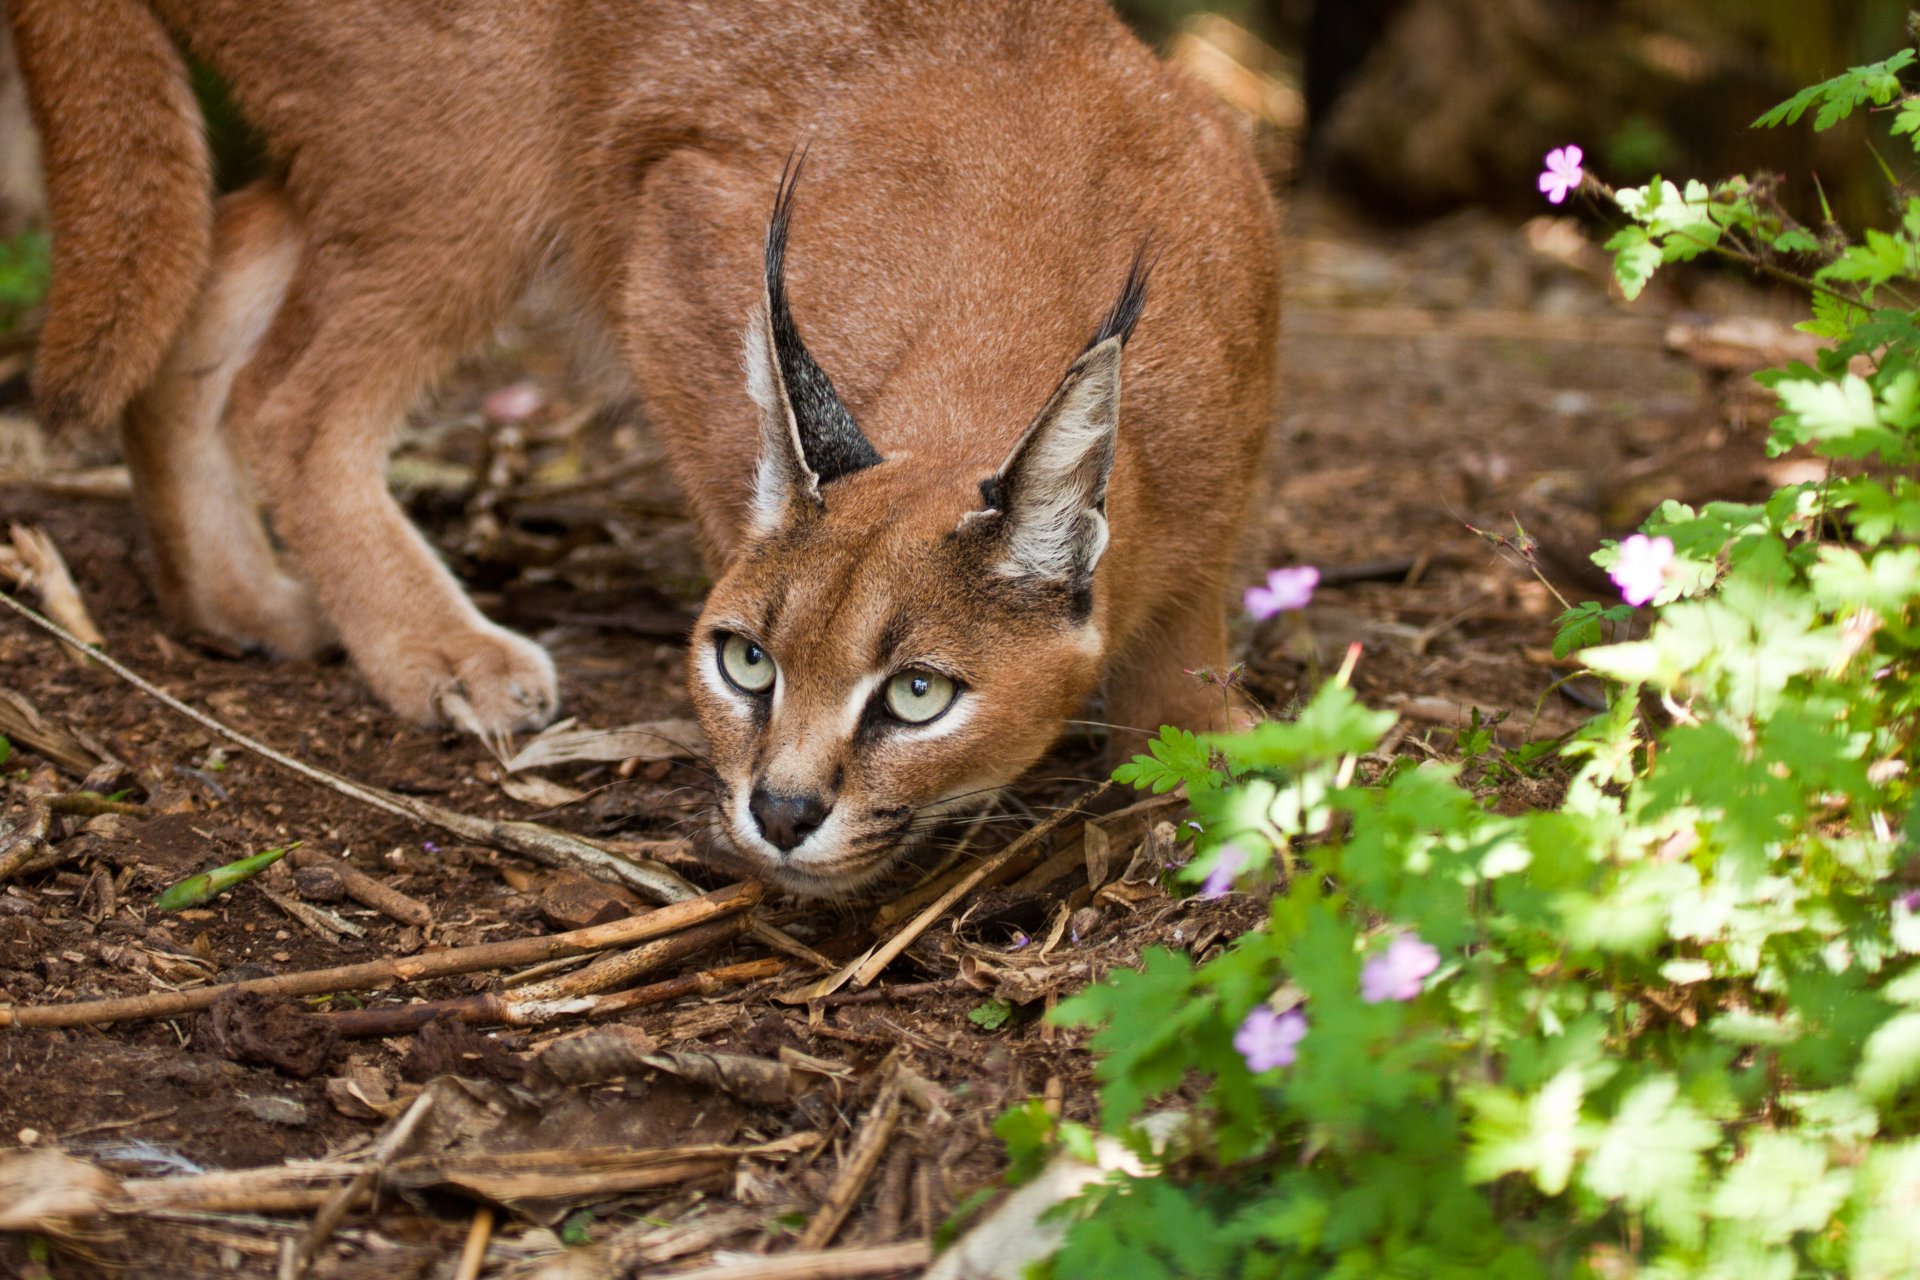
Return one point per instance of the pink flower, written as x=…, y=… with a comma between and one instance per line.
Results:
x=1227, y=864
x=1642, y=567
x=1563, y=174
x=1395, y=973
x=1286, y=589
x=1268, y=1039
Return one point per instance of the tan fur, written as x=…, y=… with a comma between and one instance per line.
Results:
x=979, y=174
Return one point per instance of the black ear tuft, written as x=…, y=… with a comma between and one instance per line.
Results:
x=1126, y=310
x=830, y=440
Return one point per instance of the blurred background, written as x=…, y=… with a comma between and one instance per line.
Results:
x=1414, y=108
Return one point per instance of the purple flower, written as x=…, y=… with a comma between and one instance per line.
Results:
x=515, y=402
x=1227, y=864
x=1268, y=1039
x=1911, y=901
x=1286, y=589
x=1563, y=174
x=1395, y=973
x=429, y=846
x=1641, y=569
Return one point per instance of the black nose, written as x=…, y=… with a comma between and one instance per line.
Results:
x=786, y=821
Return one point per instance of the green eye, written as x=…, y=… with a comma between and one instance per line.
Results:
x=919, y=696
x=747, y=666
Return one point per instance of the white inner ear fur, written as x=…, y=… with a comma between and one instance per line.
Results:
x=781, y=468
x=1056, y=479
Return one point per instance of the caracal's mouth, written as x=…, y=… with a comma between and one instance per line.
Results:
x=844, y=864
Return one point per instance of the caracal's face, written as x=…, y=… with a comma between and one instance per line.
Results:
x=864, y=671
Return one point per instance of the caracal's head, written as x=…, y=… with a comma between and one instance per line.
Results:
x=893, y=640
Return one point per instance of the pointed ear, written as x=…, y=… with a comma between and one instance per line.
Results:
x=807, y=437
x=1049, y=498
x=1051, y=492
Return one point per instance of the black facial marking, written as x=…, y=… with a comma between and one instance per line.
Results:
x=829, y=438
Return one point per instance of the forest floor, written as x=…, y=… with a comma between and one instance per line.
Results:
x=1462, y=375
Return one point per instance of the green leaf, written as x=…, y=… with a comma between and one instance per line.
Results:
x=1879, y=259
x=1890, y=1060
x=1331, y=725
x=1539, y=1135
x=1837, y=98
x=1028, y=1130
x=1649, y=1155
x=1832, y=413
x=1176, y=758
x=1635, y=258
x=1795, y=240
x=1780, y=1186
x=990, y=1015
x=577, y=1230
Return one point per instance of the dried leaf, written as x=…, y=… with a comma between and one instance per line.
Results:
x=541, y=793
x=51, y=1193
x=47, y=576
x=746, y=1078
x=647, y=740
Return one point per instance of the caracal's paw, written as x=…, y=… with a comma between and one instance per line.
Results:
x=481, y=679
x=279, y=615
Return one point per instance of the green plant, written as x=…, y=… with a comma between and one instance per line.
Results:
x=25, y=268
x=1668, y=1028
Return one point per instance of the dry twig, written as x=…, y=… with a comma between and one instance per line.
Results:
x=832, y=1264
x=294, y=1264
x=21, y=839
x=364, y=889
x=862, y=1158
x=378, y=973
x=529, y=839
x=518, y=1008
x=475, y=1251
x=885, y=955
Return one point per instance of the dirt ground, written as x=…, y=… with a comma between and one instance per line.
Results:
x=1469, y=373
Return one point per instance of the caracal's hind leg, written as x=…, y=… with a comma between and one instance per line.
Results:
x=216, y=566
x=367, y=321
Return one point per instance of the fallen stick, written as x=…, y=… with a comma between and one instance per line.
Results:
x=890, y=951
x=515, y=1009
x=544, y=845
x=896, y=991
x=20, y=841
x=315, y=920
x=21, y=721
x=366, y=890
x=294, y=1263
x=475, y=1251
x=832, y=1264
x=270, y=1189
x=378, y=973
x=862, y=1158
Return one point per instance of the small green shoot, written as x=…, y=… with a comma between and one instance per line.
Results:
x=201, y=889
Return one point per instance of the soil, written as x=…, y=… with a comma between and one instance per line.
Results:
x=1468, y=375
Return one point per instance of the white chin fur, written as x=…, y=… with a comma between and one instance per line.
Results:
x=811, y=870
